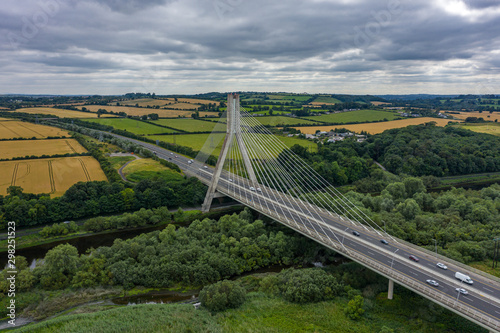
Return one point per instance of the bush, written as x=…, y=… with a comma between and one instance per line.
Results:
x=303, y=286
x=222, y=295
x=354, y=309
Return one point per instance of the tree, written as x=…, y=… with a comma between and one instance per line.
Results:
x=354, y=309
x=222, y=295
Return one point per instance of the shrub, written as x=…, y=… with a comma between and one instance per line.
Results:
x=222, y=295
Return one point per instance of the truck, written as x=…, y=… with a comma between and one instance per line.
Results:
x=463, y=278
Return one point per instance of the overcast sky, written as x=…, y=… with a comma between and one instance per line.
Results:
x=195, y=46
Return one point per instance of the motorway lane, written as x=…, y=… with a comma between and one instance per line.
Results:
x=373, y=248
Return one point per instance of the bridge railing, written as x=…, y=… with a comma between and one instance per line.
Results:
x=388, y=272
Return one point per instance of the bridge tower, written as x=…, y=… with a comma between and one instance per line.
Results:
x=233, y=132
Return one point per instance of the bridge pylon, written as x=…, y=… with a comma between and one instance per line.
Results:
x=233, y=132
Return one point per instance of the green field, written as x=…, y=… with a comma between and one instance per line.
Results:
x=361, y=116
x=146, y=168
x=297, y=98
x=489, y=128
x=188, y=125
x=326, y=99
x=196, y=141
x=280, y=121
x=262, y=313
x=131, y=125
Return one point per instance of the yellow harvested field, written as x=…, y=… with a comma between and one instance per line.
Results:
x=486, y=115
x=51, y=175
x=380, y=103
x=487, y=128
x=374, y=128
x=62, y=113
x=22, y=148
x=4, y=108
x=166, y=101
x=5, y=119
x=132, y=111
x=19, y=129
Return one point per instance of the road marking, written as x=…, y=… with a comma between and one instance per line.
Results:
x=488, y=289
x=497, y=312
x=414, y=273
x=371, y=253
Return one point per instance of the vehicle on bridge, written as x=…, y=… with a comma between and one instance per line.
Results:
x=441, y=265
x=433, y=283
x=383, y=241
x=355, y=233
x=464, y=278
x=414, y=258
x=462, y=291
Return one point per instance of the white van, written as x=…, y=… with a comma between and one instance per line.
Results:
x=463, y=278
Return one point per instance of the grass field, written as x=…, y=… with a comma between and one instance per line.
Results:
x=146, y=168
x=188, y=125
x=22, y=148
x=51, y=175
x=133, y=126
x=196, y=141
x=118, y=161
x=374, y=128
x=282, y=121
x=297, y=98
x=19, y=129
x=355, y=116
x=489, y=128
x=263, y=313
x=486, y=115
x=327, y=100
x=61, y=113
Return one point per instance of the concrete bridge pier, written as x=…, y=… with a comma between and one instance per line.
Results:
x=390, y=292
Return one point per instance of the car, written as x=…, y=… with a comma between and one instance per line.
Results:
x=383, y=241
x=433, y=283
x=252, y=188
x=462, y=291
x=258, y=189
x=189, y=162
x=230, y=179
x=412, y=257
x=441, y=265
x=355, y=233
x=171, y=153
x=205, y=167
x=170, y=158
x=176, y=156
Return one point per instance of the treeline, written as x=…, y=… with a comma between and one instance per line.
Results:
x=87, y=199
x=202, y=253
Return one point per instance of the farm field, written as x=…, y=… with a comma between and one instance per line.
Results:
x=188, y=125
x=51, y=175
x=20, y=129
x=374, y=128
x=325, y=100
x=133, y=126
x=21, y=148
x=146, y=168
x=355, y=116
x=486, y=115
x=61, y=113
x=133, y=111
x=490, y=128
x=280, y=121
x=297, y=98
x=196, y=141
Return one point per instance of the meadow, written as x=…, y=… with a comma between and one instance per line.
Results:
x=62, y=113
x=325, y=100
x=52, y=175
x=196, y=141
x=146, y=168
x=188, y=125
x=489, y=128
x=22, y=148
x=282, y=121
x=133, y=126
x=19, y=129
x=375, y=128
x=355, y=116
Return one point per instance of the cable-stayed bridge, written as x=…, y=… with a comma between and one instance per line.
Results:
x=255, y=168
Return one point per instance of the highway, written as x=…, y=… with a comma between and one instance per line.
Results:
x=391, y=260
